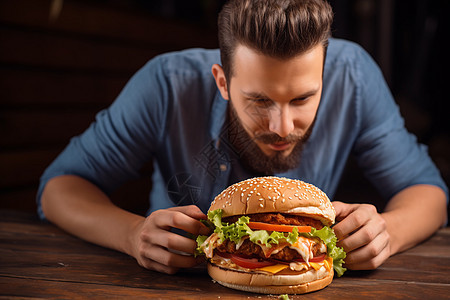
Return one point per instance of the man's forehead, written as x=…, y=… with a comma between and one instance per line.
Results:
x=246, y=57
x=258, y=73
x=242, y=50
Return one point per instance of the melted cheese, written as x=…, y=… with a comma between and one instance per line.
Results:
x=209, y=244
x=228, y=264
x=298, y=266
x=268, y=251
x=316, y=266
x=274, y=269
x=294, y=266
x=328, y=263
x=304, y=247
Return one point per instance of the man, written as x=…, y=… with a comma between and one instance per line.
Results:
x=285, y=101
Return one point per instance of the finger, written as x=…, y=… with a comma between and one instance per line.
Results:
x=170, y=240
x=372, y=263
x=343, y=209
x=359, y=216
x=156, y=266
x=167, y=219
x=363, y=236
x=370, y=256
x=191, y=210
x=168, y=258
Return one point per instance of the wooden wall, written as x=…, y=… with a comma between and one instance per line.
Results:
x=61, y=65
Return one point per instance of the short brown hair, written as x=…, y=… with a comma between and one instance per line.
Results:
x=276, y=28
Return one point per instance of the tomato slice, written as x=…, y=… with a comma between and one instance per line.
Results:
x=275, y=227
x=316, y=259
x=224, y=254
x=250, y=263
x=319, y=258
x=254, y=263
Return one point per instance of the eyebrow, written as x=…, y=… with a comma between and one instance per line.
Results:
x=258, y=95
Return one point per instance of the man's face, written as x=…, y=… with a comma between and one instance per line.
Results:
x=275, y=101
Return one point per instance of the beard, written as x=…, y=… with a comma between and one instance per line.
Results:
x=253, y=158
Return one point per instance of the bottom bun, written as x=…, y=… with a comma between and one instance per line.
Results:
x=302, y=283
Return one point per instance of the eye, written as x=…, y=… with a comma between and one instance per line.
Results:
x=261, y=102
x=299, y=101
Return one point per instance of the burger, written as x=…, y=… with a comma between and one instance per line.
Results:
x=272, y=235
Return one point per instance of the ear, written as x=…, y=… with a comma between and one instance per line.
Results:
x=221, y=80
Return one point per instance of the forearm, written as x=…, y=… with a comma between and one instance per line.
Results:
x=82, y=209
x=413, y=215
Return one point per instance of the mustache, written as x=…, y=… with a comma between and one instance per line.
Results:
x=271, y=138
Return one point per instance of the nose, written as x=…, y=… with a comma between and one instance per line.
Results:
x=281, y=122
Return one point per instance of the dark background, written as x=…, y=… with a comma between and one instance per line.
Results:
x=61, y=61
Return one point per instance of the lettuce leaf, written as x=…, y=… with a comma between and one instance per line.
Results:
x=236, y=231
x=215, y=217
x=201, y=239
x=326, y=234
x=263, y=237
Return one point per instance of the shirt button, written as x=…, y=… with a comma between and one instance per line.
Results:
x=223, y=167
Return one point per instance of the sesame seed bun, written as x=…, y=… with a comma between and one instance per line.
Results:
x=275, y=194
x=301, y=283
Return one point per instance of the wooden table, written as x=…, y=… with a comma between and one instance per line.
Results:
x=38, y=260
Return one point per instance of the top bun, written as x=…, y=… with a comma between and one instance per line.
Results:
x=275, y=194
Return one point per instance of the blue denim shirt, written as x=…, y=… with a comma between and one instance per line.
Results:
x=172, y=113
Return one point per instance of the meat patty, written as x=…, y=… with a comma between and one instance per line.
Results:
x=279, y=218
x=251, y=249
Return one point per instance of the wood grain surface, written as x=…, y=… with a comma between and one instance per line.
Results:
x=38, y=260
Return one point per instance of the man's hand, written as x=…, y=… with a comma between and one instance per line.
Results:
x=361, y=231
x=159, y=249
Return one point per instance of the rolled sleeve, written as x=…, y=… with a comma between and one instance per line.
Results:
x=122, y=138
x=390, y=156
